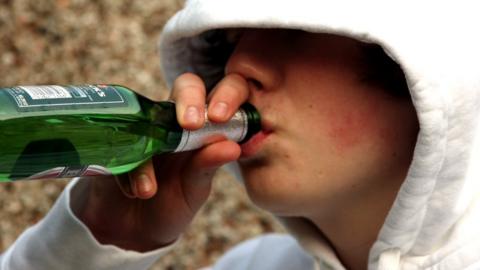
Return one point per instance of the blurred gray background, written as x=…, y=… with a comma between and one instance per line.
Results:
x=109, y=41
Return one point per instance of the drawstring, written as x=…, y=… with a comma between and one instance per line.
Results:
x=389, y=260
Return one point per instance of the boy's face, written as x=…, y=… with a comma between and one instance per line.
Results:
x=329, y=139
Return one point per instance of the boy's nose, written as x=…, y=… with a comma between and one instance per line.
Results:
x=258, y=59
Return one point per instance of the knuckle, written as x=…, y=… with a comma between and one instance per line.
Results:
x=186, y=85
x=230, y=92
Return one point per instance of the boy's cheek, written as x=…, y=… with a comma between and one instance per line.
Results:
x=349, y=129
x=344, y=131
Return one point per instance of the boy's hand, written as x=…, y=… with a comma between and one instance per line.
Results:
x=156, y=202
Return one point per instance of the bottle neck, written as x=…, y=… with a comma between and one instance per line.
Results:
x=236, y=129
x=163, y=114
x=239, y=128
x=254, y=124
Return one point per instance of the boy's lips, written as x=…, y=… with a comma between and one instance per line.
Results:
x=253, y=145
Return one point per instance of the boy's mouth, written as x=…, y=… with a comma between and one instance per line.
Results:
x=253, y=145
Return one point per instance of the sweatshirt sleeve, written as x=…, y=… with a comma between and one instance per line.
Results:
x=61, y=241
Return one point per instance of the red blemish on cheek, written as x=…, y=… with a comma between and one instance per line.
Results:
x=347, y=129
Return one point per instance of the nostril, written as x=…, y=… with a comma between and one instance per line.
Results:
x=255, y=84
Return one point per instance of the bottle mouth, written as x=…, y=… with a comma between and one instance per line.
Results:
x=253, y=121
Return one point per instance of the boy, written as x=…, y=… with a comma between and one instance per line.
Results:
x=367, y=163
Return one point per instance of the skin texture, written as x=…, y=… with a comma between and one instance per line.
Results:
x=331, y=151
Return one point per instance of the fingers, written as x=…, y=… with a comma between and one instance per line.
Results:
x=214, y=155
x=198, y=172
x=189, y=94
x=226, y=97
x=123, y=181
x=140, y=183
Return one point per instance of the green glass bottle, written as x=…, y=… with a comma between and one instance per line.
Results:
x=70, y=131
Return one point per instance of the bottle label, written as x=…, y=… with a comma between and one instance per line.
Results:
x=71, y=172
x=55, y=97
x=234, y=130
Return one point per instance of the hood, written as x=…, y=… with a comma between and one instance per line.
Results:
x=436, y=214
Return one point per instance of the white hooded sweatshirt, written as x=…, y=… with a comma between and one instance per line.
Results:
x=434, y=222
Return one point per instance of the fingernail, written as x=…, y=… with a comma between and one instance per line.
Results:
x=192, y=115
x=143, y=184
x=220, y=109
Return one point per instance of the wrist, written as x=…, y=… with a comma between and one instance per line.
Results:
x=133, y=241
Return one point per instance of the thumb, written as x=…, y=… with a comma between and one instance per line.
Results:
x=140, y=183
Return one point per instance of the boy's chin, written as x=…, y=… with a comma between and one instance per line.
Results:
x=270, y=196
